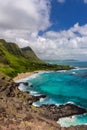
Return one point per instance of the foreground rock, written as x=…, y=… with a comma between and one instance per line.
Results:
x=17, y=112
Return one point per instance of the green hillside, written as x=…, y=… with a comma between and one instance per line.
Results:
x=14, y=60
x=29, y=54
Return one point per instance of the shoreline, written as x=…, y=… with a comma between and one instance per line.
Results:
x=25, y=75
x=51, y=107
x=16, y=104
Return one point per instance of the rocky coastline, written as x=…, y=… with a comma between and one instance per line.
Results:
x=18, y=113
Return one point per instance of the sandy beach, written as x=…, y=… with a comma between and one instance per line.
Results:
x=24, y=75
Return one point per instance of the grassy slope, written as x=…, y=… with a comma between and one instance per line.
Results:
x=14, y=60
x=29, y=54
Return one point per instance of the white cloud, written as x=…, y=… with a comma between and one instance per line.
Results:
x=66, y=44
x=70, y=43
x=25, y=14
x=20, y=22
x=61, y=1
x=85, y=1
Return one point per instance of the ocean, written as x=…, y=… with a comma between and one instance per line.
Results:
x=62, y=87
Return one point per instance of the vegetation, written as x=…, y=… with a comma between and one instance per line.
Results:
x=14, y=60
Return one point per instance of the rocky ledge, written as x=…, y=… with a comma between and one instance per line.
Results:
x=17, y=112
x=55, y=112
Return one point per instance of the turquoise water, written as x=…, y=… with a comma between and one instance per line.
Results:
x=62, y=87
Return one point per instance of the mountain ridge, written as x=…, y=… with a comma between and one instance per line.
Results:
x=30, y=54
x=14, y=60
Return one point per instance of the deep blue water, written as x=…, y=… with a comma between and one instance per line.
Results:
x=81, y=64
x=62, y=87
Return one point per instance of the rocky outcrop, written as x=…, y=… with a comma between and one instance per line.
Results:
x=17, y=112
x=55, y=112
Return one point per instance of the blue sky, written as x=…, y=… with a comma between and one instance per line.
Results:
x=65, y=15
x=55, y=29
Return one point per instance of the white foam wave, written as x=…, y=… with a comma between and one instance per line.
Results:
x=57, y=104
x=74, y=73
x=61, y=70
x=73, y=104
x=46, y=100
x=22, y=87
x=70, y=103
x=72, y=121
x=83, y=68
x=34, y=93
x=45, y=72
x=40, y=102
x=77, y=68
x=27, y=78
x=32, y=76
x=42, y=99
x=67, y=103
x=67, y=121
x=35, y=104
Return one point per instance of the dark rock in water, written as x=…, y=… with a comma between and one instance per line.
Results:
x=55, y=112
x=25, y=84
x=36, y=98
x=31, y=85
